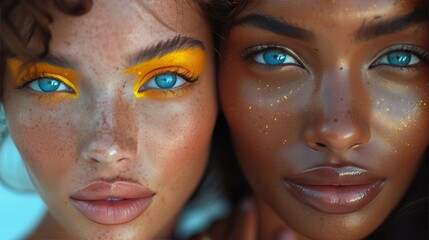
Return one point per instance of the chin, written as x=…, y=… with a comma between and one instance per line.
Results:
x=123, y=231
x=315, y=224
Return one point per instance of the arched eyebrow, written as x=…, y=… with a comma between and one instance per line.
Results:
x=163, y=48
x=376, y=29
x=274, y=25
x=56, y=61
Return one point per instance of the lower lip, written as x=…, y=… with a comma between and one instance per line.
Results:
x=112, y=212
x=335, y=199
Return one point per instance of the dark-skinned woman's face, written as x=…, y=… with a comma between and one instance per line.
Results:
x=328, y=106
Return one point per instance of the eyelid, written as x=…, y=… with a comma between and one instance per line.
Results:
x=419, y=52
x=185, y=61
x=23, y=74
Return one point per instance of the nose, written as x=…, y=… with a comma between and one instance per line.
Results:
x=109, y=132
x=339, y=117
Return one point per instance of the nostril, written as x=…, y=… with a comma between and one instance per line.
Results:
x=316, y=145
x=320, y=145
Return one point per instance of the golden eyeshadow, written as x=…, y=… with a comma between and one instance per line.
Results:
x=23, y=74
x=184, y=62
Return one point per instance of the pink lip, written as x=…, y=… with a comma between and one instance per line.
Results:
x=112, y=203
x=335, y=190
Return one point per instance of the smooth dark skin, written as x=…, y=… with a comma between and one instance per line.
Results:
x=337, y=109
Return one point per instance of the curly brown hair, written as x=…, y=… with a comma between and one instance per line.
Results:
x=24, y=27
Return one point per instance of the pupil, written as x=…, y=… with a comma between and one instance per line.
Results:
x=166, y=80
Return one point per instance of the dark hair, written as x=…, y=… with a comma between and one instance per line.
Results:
x=409, y=220
x=25, y=20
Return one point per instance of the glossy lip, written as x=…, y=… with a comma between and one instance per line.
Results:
x=112, y=202
x=335, y=190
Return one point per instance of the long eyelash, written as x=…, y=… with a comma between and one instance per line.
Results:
x=419, y=52
x=30, y=77
x=188, y=76
x=253, y=50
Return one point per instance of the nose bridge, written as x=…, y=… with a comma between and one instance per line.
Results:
x=336, y=99
x=338, y=121
x=111, y=130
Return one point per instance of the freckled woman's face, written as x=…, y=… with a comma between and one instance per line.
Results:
x=328, y=106
x=115, y=124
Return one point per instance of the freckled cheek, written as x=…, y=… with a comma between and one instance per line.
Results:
x=181, y=134
x=46, y=142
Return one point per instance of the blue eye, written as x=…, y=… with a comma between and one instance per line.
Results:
x=398, y=59
x=164, y=81
x=49, y=85
x=275, y=57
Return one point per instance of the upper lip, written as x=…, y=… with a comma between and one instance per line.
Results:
x=334, y=176
x=101, y=190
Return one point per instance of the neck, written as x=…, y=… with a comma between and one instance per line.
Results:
x=271, y=225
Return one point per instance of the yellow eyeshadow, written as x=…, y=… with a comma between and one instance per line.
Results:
x=183, y=62
x=22, y=74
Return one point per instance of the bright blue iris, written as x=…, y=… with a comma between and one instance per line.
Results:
x=399, y=58
x=48, y=84
x=166, y=80
x=274, y=57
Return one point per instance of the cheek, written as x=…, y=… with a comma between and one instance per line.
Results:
x=46, y=139
x=408, y=139
x=264, y=114
x=400, y=125
x=176, y=142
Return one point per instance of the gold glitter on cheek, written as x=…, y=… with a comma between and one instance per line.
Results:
x=401, y=123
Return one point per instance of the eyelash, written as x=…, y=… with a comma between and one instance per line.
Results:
x=249, y=53
x=149, y=79
x=34, y=76
x=188, y=76
x=420, y=53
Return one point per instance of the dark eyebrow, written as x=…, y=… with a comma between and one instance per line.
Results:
x=372, y=30
x=56, y=61
x=163, y=48
x=275, y=25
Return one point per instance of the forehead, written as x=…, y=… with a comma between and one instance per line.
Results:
x=115, y=29
x=169, y=13
x=329, y=12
